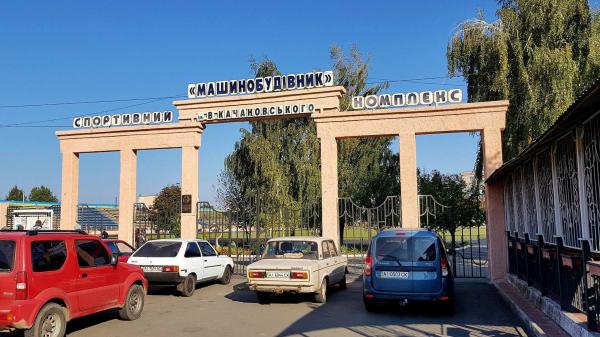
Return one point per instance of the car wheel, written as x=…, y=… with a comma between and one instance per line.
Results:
x=187, y=286
x=321, y=295
x=343, y=284
x=447, y=307
x=370, y=305
x=226, y=278
x=263, y=297
x=134, y=303
x=49, y=322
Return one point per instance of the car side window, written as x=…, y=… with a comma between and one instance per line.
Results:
x=123, y=248
x=91, y=253
x=326, y=253
x=206, y=249
x=48, y=255
x=192, y=250
x=332, y=249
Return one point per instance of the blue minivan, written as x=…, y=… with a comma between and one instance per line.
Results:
x=407, y=265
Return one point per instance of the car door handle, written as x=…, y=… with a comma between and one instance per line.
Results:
x=205, y=260
x=84, y=275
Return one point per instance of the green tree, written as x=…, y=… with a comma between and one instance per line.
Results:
x=462, y=204
x=43, y=194
x=166, y=209
x=279, y=160
x=15, y=193
x=537, y=55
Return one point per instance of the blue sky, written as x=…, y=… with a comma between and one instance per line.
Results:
x=76, y=51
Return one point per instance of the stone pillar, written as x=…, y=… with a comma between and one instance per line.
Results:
x=69, y=194
x=329, y=189
x=3, y=214
x=127, y=194
x=189, y=185
x=494, y=198
x=408, y=181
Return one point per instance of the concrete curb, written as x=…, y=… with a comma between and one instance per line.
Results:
x=532, y=328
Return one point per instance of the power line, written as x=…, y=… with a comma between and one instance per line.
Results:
x=84, y=102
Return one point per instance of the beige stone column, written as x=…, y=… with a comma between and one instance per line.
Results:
x=3, y=214
x=69, y=194
x=408, y=181
x=329, y=188
x=189, y=185
x=127, y=193
x=496, y=236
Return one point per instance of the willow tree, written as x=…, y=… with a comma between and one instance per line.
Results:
x=279, y=160
x=536, y=55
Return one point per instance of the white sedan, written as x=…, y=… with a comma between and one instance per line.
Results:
x=298, y=264
x=182, y=262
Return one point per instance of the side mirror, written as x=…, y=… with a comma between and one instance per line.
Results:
x=114, y=259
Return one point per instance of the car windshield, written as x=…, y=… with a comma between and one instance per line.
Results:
x=405, y=248
x=291, y=249
x=159, y=249
x=7, y=255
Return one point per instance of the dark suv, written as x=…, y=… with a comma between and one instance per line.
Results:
x=407, y=265
x=50, y=277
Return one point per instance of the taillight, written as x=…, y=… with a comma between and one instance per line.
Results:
x=257, y=274
x=299, y=275
x=368, y=265
x=444, y=265
x=170, y=269
x=21, y=291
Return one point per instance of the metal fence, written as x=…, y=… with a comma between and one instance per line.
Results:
x=552, y=219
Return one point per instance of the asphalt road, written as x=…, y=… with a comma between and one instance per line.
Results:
x=232, y=310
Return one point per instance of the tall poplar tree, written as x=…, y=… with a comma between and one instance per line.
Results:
x=279, y=160
x=537, y=55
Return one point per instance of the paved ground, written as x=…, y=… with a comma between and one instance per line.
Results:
x=217, y=310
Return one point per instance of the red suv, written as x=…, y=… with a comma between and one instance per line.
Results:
x=50, y=277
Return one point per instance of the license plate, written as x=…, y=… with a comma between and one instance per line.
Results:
x=152, y=268
x=278, y=274
x=394, y=274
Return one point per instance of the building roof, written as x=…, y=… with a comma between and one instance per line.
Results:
x=584, y=107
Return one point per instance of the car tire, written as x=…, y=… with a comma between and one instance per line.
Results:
x=50, y=321
x=226, y=278
x=447, y=307
x=343, y=284
x=187, y=286
x=370, y=305
x=263, y=297
x=321, y=295
x=134, y=303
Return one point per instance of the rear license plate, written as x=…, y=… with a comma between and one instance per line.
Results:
x=403, y=275
x=278, y=274
x=152, y=269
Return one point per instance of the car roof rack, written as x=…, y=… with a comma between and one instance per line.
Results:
x=43, y=231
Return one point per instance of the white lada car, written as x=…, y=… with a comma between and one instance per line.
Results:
x=182, y=262
x=298, y=264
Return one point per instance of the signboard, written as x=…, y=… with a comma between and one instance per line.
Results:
x=407, y=99
x=137, y=118
x=257, y=85
x=37, y=219
x=186, y=203
x=250, y=112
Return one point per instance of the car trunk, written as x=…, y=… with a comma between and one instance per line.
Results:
x=406, y=263
x=8, y=273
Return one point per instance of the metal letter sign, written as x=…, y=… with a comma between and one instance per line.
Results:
x=186, y=203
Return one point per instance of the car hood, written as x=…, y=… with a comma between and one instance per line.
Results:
x=283, y=264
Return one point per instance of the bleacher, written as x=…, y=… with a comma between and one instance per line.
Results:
x=98, y=218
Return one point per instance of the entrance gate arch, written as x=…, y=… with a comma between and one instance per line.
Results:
x=322, y=105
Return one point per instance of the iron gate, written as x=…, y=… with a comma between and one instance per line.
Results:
x=242, y=233
x=152, y=224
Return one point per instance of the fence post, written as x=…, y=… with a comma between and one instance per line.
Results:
x=591, y=315
x=526, y=251
x=561, y=291
x=540, y=259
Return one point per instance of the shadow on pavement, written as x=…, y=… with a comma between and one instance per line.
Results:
x=479, y=311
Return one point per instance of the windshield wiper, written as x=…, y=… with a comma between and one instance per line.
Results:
x=394, y=257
